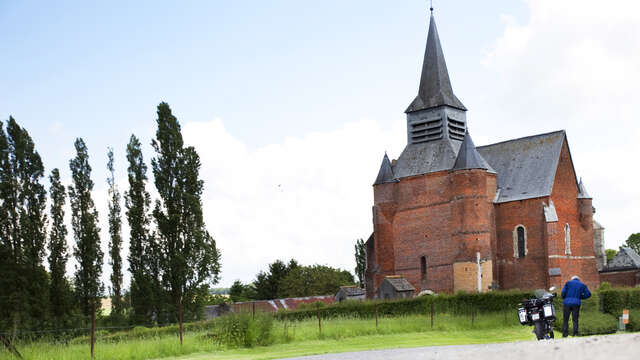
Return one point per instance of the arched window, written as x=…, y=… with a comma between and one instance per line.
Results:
x=423, y=267
x=519, y=241
x=567, y=239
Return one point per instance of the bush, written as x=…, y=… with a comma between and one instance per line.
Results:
x=242, y=330
x=592, y=322
x=616, y=299
x=460, y=304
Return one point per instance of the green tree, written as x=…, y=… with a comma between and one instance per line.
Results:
x=268, y=284
x=190, y=259
x=315, y=280
x=146, y=290
x=9, y=286
x=361, y=261
x=241, y=292
x=84, y=221
x=60, y=289
x=115, y=244
x=610, y=253
x=23, y=229
x=633, y=241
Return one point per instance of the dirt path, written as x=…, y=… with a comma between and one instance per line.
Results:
x=618, y=347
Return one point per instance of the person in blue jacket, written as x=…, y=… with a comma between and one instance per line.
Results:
x=573, y=292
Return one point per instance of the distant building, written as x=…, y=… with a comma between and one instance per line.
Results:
x=350, y=293
x=623, y=269
x=450, y=216
x=395, y=287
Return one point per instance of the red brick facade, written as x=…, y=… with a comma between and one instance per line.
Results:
x=450, y=216
x=626, y=278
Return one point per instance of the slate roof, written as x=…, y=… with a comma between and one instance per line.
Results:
x=385, y=174
x=435, y=86
x=400, y=283
x=352, y=291
x=468, y=157
x=626, y=258
x=425, y=158
x=525, y=167
x=582, y=191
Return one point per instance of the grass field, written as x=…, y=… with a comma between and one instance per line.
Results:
x=295, y=339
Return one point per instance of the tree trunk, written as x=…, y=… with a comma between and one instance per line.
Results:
x=180, y=316
x=93, y=325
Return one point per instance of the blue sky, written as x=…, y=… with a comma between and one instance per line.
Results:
x=303, y=98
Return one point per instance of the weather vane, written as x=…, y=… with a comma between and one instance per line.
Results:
x=431, y=7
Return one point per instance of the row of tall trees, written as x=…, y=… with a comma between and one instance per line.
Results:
x=172, y=257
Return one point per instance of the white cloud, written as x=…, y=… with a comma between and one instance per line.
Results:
x=574, y=65
x=308, y=198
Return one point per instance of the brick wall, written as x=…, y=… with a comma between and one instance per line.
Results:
x=630, y=278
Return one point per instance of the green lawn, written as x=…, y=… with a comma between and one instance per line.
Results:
x=292, y=339
x=369, y=342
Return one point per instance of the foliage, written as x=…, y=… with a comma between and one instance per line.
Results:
x=244, y=330
x=115, y=244
x=591, y=322
x=189, y=258
x=241, y=292
x=314, y=280
x=633, y=241
x=147, y=295
x=610, y=254
x=459, y=303
x=60, y=292
x=617, y=299
x=24, y=299
x=361, y=261
x=84, y=220
x=268, y=284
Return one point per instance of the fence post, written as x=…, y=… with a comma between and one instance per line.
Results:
x=375, y=307
x=432, y=313
x=93, y=325
x=473, y=316
x=319, y=322
x=254, y=309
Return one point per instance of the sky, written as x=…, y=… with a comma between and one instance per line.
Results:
x=292, y=104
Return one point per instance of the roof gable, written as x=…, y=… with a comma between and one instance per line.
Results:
x=525, y=167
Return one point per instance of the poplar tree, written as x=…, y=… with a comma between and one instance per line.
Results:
x=361, y=261
x=23, y=229
x=59, y=291
x=115, y=243
x=190, y=259
x=7, y=265
x=84, y=220
x=146, y=291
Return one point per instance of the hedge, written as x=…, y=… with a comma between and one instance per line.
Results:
x=616, y=299
x=459, y=303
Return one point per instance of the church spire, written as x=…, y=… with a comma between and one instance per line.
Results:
x=435, y=86
x=468, y=156
x=385, y=174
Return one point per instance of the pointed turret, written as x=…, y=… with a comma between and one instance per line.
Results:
x=385, y=175
x=435, y=86
x=582, y=191
x=468, y=156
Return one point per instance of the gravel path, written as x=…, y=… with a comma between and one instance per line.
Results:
x=618, y=347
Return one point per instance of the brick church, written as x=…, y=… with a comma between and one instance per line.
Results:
x=450, y=216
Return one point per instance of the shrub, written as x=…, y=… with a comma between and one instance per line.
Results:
x=460, y=303
x=591, y=323
x=616, y=299
x=236, y=330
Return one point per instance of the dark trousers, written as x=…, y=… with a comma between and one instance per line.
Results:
x=574, y=311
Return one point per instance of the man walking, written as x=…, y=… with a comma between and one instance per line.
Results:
x=573, y=292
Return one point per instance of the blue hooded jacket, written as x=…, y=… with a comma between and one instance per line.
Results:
x=574, y=291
